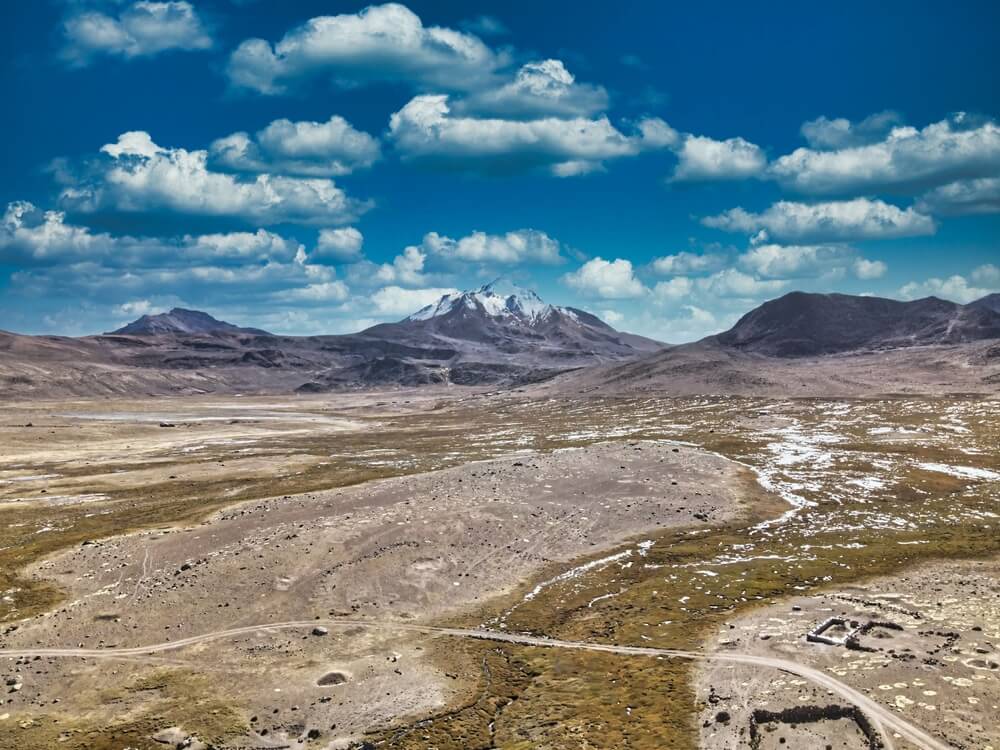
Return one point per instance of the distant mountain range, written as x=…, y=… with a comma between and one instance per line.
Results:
x=498, y=335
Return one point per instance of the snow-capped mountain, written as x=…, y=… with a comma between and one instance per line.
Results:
x=501, y=319
x=498, y=299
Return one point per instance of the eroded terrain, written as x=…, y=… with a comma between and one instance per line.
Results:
x=557, y=518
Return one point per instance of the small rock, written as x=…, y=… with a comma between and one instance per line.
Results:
x=171, y=736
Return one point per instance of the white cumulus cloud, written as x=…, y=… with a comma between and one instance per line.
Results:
x=674, y=289
x=326, y=291
x=427, y=130
x=518, y=246
x=839, y=132
x=808, y=261
x=686, y=262
x=869, y=269
x=979, y=196
x=342, y=243
x=835, y=221
x=955, y=288
x=405, y=268
x=142, y=29
x=380, y=43
x=987, y=274
x=395, y=300
x=731, y=282
x=907, y=159
x=703, y=159
x=141, y=176
x=311, y=149
x=540, y=88
x=30, y=234
x=608, y=279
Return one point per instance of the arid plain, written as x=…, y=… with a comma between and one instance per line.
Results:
x=457, y=568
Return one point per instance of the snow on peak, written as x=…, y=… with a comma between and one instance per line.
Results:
x=442, y=306
x=500, y=298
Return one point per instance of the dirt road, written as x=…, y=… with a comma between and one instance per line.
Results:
x=883, y=717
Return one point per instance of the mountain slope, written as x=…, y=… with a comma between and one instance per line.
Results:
x=812, y=344
x=181, y=321
x=989, y=302
x=801, y=324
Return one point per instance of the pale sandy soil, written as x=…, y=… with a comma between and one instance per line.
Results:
x=82, y=451
x=410, y=549
x=942, y=671
x=695, y=369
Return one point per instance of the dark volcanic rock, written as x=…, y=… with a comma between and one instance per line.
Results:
x=801, y=324
x=989, y=302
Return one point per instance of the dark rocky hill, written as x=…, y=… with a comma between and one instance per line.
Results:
x=801, y=324
x=989, y=302
x=181, y=321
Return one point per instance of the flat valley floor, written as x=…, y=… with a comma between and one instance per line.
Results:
x=458, y=569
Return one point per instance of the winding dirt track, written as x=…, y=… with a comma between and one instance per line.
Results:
x=881, y=716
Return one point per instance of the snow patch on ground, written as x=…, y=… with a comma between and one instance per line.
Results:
x=963, y=472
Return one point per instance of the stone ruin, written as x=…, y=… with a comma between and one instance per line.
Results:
x=810, y=714
x=852, y=638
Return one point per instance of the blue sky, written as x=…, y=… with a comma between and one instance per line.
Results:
x=316, y=167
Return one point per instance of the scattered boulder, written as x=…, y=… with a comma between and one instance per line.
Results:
x=178, y=739
x=172, y=736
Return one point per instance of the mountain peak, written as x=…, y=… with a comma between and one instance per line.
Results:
x=504, y=287
x=181, y=320
x=501, y=298
x=501, y=319
x=989, y=302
